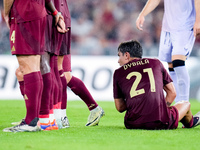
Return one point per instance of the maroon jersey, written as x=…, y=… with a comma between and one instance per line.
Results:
x=140, y=83
x=66, y=43
x=27, y=10
x=65, y=12
x=53, y=38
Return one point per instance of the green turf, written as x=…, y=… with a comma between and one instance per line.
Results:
x=109, y=135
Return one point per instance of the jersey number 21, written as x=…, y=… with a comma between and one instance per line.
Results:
x=133, y=91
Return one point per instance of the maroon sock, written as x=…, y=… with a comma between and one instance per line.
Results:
x=54, y=100
x=51, y=95
x=190, y=124
x=79, y=88
x=60, y=88
x=64, y=91
x=55, y=92
x=33, y=85
x=46, y=95
x=21, y=87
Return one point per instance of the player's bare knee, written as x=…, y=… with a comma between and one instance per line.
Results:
x=188, y=104
x=68, y=76
x=19, y=74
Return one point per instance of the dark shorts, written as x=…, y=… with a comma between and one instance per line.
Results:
x=157, y=125
x=56, y=41
x=66, y=44
x=174, y=116
x=67, y=63
x=53, y=39
x=28, y=38
x=48, y=33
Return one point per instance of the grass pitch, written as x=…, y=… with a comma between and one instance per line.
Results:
x=110, y=134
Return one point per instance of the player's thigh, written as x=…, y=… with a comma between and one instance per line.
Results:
x=29, y=63
x=165, y=48
x=183, y=42
x=183, y=107
x=60, y=62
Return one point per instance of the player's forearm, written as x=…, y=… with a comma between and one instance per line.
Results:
x=170, y=93
x=149, y=7
x=50, y=6
x=7, y=6
x=120, y=105
x=197, y=8
x=168, y=100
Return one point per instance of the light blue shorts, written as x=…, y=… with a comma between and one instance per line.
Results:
x=175, y=43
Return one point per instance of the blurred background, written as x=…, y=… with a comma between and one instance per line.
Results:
x=98, y=26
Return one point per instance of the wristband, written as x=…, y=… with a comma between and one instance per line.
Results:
x=54, y=13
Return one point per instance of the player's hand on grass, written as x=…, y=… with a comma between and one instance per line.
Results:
x=61, y=26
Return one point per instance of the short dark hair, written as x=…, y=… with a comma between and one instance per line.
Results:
x=132, y=47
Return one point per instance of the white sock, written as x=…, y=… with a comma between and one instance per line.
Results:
x=51, y=117
x=44, y=120
x=57, y=113
x=183, y=81
x=174, y=78
x=63, y=113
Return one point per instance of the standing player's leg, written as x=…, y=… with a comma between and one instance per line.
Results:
x=183, y=79
x=174, y=78
x=28, y=51
x=33, y=86
x=47, y=92
x=165, y=53
x=57, y=111
x=174, y=48
x=49, y=41
x=54, y=95
x=79, y=88
x=64, y=119
x=57, y=91
x=182, y=46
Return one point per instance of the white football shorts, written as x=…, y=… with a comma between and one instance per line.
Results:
x=175, y=43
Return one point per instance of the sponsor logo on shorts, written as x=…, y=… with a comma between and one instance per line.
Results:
x=25, y=97
x=13, y=49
